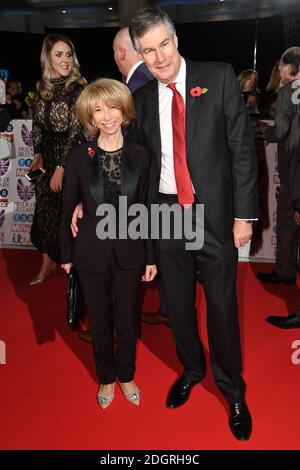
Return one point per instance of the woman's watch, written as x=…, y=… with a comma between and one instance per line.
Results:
x=60, y=166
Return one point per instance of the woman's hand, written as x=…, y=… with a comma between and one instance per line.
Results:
x=67, y=267
x=57, y=179
x=150, y=273
x=37, y=162
x=77, y=214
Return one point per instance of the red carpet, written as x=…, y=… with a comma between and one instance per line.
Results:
x=48, y=384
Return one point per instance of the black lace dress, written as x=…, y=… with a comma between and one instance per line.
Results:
x=55, y=131
x=110, y=163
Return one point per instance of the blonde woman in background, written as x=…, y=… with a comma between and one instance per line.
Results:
x=55, y=131
x=248, y=80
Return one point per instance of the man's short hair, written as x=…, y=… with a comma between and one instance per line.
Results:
x=146, y=20
x=292, y=57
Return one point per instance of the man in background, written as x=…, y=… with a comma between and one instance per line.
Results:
x=292, y=320
x=129, y=61
x=286, y=132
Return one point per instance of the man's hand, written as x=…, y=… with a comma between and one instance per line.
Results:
x=37, y=162
x=77, y=214
x=297, y=217
x=150, y=273
x=57, y=179
x=67, y=267
x=242, y=233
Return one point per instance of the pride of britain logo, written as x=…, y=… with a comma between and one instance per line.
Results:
x=4, y=166
x=2, y=217
x=25, y=191
x=26, y=135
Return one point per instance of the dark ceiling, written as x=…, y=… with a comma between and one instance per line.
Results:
x=38, y=15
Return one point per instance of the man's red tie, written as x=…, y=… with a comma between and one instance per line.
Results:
x=182, y=175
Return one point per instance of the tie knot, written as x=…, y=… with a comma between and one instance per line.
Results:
x=172, y=86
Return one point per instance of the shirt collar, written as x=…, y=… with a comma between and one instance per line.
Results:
x=180, y=79
x=132, y=70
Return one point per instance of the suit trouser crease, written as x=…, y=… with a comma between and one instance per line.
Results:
x=217, y=263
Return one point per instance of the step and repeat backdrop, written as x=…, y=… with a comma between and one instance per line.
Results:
x=17, y=194
x=263, y=244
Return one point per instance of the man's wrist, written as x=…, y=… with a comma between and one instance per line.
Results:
x=248, y=221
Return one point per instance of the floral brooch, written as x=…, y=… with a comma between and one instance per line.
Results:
x=198, y=91
x=91, y=152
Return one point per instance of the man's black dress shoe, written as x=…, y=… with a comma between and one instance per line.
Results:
x=274, y=278
x=240, y=421
x=284, y=322
x=180, y=392
x=154, y=319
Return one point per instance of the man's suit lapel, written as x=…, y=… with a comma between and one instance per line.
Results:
x=94, y=176
x=193, y=104
x=130, y=173
x=152, y=107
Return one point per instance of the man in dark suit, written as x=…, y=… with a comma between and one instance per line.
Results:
x=129, y=61
x=286, y=132
x=221, y=163
x=292, y=320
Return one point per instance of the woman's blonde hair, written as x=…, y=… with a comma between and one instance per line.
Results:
x=45, y=86
x=275, y=79
x=107, y=91
x=245, y=75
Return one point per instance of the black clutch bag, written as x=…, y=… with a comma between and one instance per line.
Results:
x=74, y=299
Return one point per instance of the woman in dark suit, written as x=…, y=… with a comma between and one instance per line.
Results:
x=99, y=172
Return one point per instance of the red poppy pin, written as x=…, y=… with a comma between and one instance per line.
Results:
x=198, y=91
x=91, y=152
